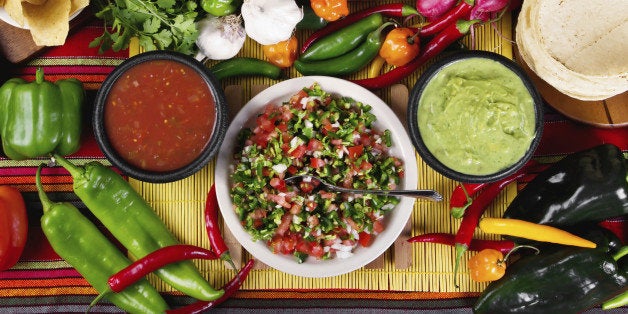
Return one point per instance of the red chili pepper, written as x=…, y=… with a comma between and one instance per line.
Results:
x=435, y=46
x=155, y=260
x=503, y=246
x=392, y=9
x=13, y=226
x=216, y=240
x=230, y=289
x=458, y=12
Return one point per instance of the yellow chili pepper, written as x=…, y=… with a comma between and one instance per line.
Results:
x=400, y=46
x=532, y=231
x=283, y=53
x=376, y=67
x=330, y=10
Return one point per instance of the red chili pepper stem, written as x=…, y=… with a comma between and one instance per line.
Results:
x=230, y=289
x=149, y=263
x=458, y=211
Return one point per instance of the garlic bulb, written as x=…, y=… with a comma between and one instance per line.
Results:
x=222, y=37
x=270, y=21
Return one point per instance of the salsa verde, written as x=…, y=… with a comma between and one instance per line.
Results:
x=476, y=116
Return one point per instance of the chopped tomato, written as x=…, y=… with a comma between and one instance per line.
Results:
x=365, y=239
x=314, y=145
x=316, y=162
x=355, y=151
x=298, y=152
x=295, y=100
x=278, y=184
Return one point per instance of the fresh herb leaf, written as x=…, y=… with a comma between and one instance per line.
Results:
x=159, y=24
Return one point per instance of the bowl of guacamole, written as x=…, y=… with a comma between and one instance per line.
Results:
x=475, y=116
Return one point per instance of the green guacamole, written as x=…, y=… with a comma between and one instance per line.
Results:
x=476, y=116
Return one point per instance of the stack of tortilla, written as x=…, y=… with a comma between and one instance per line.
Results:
x=48, y=20
x=578, y=47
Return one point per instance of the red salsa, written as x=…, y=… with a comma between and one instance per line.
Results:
x=159, y=115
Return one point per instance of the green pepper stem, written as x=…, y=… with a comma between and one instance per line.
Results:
x=45, y=201
x=226, y=257
x=618, y=301
x=99, y=297
x=621, y=253
x=460, y=250
x=39, y=75
x=75, y=171
x=458, y=212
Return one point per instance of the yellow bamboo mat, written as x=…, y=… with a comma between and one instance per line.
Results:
x=404, y=267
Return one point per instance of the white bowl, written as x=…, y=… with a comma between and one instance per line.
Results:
x=396, y=219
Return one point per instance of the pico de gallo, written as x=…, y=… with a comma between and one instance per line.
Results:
x=314, y=132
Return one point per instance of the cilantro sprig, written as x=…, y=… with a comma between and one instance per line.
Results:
x=158, y=24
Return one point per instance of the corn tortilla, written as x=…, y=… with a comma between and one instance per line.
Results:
x=573, y=49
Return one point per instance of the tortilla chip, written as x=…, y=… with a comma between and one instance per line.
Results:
x=14, y=10
x=76, y=5
x=36, y=2
x=49, y=23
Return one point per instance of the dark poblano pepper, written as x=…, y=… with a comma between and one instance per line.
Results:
x=560, y=280
x=80, y=243
x=40, y=117
x=134, y=223
x=586, y=186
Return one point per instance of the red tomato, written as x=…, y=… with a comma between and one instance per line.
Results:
x=298, y=152
x=13, y=226
x=278, y=184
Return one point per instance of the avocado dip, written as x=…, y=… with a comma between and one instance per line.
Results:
x=476, y=116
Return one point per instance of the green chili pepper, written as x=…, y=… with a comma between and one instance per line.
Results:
x=586, y=186
x=79, y=242
x=221, y=7
x=244, y=66
x=40, y=117
x=343, y=40
x=347, y=63
x=134, y=223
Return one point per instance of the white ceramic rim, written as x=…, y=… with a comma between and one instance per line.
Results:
x=402, y=147
x=4, y=16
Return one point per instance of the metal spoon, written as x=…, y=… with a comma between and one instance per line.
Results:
x=426, y=194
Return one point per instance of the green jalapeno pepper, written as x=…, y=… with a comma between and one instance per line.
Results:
x=40, y=117
x=586, y=186
x=245, y=66
x=349, y=62
x=221, y=7
x=79, y=242
x=343, y=40
x=134, y=223
x=559, y=279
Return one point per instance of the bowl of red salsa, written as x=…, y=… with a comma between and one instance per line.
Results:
x=160, y=116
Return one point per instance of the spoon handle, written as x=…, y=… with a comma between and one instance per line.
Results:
x=426, y=194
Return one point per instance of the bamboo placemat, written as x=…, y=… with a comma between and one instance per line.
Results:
x=404, y=267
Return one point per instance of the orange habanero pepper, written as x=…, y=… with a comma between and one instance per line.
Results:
x=330, y=10
x=400, y=46
x=283, y=53
x=13, y=226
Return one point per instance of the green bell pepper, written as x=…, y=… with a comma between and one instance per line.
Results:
x=221, y=7
x=41, y=117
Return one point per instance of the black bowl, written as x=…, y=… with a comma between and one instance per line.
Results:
x=414, y=129
x=157, y=176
